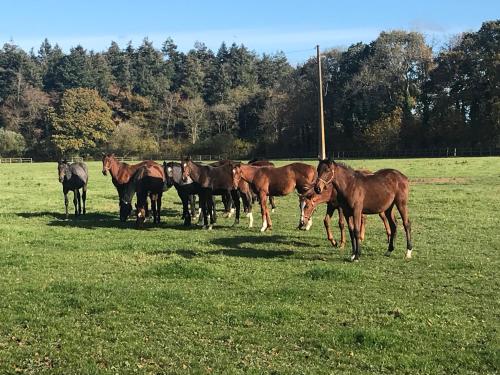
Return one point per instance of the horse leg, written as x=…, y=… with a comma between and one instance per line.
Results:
x=350, y=225
x=66, y=202
x=84, y=198
x=75, y=201
x=158, y=209
x=326, y=222
x=386, y=225
x=247, y=204
x=341, y=227
x=235, y=196
x=271, y=202
x=403, y=211
x=263, y=210
x=357, y=219
x=362, y=228
x=212, y=210
x=79, y=198
x=389, y=214
x=185, y=209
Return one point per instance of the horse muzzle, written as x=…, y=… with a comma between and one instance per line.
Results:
x=105, y=172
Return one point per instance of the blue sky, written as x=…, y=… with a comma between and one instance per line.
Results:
x=294, y=27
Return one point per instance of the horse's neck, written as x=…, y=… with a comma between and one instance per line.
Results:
x=196, y=172
x=116, y=169
x=248, y=173
x=343, y=179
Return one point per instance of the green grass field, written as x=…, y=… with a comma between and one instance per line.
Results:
x=94, y=295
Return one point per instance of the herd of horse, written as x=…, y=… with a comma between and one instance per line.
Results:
x=353, y=193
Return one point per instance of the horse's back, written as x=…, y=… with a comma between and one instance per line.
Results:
x=81, y=171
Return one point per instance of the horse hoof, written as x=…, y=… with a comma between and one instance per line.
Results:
x=210, y=227
x=408, y=254
x=388, y=253
x=272, y=210
x=353, y=258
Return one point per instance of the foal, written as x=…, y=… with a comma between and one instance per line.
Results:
x=267, y=181
x=309, y=202
x=74, y=177
x=360, y=194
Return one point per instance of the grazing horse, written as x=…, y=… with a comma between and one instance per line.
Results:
x=147, y=180
x=360, y=194
x=267, y=181
x=185, y=190
x=74, y=177
x=212, y=180
x=121, y=173
x=310, y=200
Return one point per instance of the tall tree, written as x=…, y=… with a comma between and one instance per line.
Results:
x=82, y=123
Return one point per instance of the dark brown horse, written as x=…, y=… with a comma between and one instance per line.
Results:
x=211, y=180
x=147, y=180
x=267, y=181
x=360, y=194
x=311, y=200
x=121, y=173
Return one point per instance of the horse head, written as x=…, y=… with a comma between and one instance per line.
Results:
x=307, y=205
x=326, y=174
x=168, y=168
x=107, y=161
x=63, y=170
x=186, y=168
x=236, y=174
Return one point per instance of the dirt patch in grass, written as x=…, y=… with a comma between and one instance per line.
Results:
x=438, y=180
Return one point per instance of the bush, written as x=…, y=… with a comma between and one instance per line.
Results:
x=11, y=143
x=129, y=140
x=223, y=144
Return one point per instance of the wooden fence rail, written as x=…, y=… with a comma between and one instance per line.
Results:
x=15, y=160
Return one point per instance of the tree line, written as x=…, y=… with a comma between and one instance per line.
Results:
x=394, y=93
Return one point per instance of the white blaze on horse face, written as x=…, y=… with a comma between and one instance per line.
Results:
x=169, y=171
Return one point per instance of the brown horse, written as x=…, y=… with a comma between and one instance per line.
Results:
x=263, y=163
x=309, y=202
x=147, y=180
x=267, y=181
x=211, y=180
x=121, y=173
x=360, y=194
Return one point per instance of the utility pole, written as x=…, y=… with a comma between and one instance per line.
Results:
x=322, y=151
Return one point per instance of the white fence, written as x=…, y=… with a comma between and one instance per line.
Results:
x=15, y=160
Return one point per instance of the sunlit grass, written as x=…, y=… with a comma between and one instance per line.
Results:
x=93, y=295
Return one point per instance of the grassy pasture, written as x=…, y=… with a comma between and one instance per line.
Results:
x=94, y=295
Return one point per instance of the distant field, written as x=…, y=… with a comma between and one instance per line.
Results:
x=94, y=295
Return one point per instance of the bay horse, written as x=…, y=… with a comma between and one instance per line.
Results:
x=211, y=180
x=186, y=190
x=121, y=173
x=310, y=200
x=74, y=177
x=360, y=194
x=263, y=163
x=147, y=180
x=281, y=181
